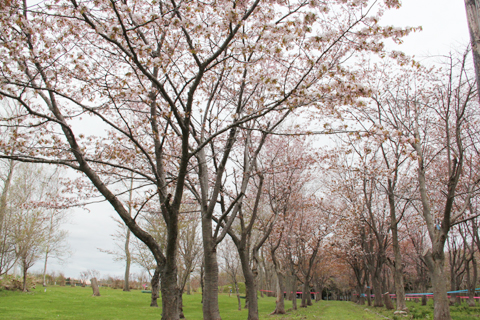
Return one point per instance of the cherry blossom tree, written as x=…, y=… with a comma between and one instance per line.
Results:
x=288, y=167
x=433, y=113
x=153, y=75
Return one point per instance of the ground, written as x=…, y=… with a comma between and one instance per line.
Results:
x=78, y=303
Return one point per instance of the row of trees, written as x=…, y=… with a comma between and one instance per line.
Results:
x=413, y=173
x=30, y=225
x=198, y=113
x=368, y=201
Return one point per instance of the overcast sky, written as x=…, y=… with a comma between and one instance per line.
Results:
x=444, y=29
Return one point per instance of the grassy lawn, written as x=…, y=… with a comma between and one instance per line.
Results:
x=77, y=303
x=417, y=311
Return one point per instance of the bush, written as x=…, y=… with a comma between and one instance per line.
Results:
x=61, y=281
x=9, y=282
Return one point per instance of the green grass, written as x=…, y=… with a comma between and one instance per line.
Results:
x=329, y=310
x=78, y=303
x=417, y=311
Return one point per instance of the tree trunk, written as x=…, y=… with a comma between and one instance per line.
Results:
x=202, y=276
x=398, y=267
x=424, y=297
x=25, y=269
x=238, y=296
x=472, y=282
x=305, y=292
x=155, y=283
x=169, y=288
x=453, y=286
x=441, y=308
x=280, y=301
x=96, y=291
x=377, y=290
x=189, y=286
x=250, y=285
x=128, y=257
x=369, y=295
x=210, y=292
x=317, y=290
x=45, y=268
x=361, y=300
x=126, y=283
x=180, y=304
x=4, y=195
x=472, y=8
x=309, y=296
x=294, y=293
x=290, y=281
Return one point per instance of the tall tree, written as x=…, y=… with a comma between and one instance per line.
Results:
x=433, y=112
x=35, y=226
x=145, y=73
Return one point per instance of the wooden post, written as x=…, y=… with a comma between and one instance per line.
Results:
x=96, y=292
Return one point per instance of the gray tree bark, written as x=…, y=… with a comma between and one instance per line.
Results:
x=398, y=267
x=472, y=8
x=128, y=260
x=155, y=284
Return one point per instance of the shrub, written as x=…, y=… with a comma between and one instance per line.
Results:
x=12, y=283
